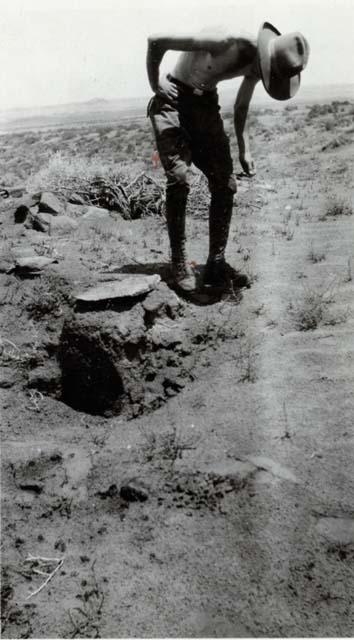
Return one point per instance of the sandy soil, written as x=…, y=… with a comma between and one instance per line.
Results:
x=228, y=510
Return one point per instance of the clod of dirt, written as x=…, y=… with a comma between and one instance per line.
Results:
x=31, y=486
x=134, y=491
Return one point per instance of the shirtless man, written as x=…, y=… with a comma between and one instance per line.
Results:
x=185, y=115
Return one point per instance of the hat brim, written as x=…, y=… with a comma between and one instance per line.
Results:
x=278, y=87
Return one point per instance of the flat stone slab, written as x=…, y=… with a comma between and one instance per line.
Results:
x=33, y=263
x=337, y=530
x=238, y=469
x=277, y=470
x=126, y=287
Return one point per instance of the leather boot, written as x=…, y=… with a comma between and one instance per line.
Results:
x=176, y=202
x=220, y=213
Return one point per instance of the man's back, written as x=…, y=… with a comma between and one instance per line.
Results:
x=204, y=68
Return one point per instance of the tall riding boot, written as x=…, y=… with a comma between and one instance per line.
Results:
x=176, y=202
x=220, y=213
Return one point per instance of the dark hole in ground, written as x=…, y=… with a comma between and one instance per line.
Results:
x=90, y=382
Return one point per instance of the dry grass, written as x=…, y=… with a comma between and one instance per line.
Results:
x=308, y=310
x=336, y=207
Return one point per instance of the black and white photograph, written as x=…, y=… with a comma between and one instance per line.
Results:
x=177, y=318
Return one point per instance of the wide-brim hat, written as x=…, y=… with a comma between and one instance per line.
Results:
x=281, y=58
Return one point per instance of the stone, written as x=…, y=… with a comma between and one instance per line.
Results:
x=276, y=469
x=46, y=378
x=96, y=214
x=33, y=264
x=125, y=287
x=25, y=206
x=134, y=491
x=59, y=225
x=238, y=470
x=337, y=530
x=49, y=203
x=166, y=334
x=162, y=302
x=75, y=198
x=76, y=210
x=9, y=377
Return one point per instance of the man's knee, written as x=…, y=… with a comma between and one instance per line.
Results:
x=177, y=182
x=225, y=185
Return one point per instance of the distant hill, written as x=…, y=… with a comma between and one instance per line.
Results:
x=101, y=111
x=306, y=94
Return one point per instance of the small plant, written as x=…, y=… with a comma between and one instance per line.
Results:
x=315, y=256
x=49, y=297
x=308, y=311
x=85, y=619
x=246, y=359
x=349, y=277
x=336, y=207
x=167, y=446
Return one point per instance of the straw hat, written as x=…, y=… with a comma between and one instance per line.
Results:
x=281, y=58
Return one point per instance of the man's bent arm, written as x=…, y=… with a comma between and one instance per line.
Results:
x=241, y=107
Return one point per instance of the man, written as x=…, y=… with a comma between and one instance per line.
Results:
x=188, y=128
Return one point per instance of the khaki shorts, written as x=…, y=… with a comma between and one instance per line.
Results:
x=191, y=130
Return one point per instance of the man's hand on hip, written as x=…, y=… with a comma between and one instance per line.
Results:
x=167, y=90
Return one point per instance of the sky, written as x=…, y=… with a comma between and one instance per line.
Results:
x=60, y=51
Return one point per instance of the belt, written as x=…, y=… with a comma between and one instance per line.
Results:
x=193, y=91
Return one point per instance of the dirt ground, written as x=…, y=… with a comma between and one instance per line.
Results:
x=225, y=508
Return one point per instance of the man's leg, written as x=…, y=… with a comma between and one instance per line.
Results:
x=211, y=153
x=175, y=155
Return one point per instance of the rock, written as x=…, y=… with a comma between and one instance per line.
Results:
x=33, y=264
x=337, y=530
x=237, y=470
x=45, y=378
x=266, y=186
x=96, y=214
x=33, y=487
x=76, y=210
x=125, y=287
x=111, y=492
x=6, y=265
x=75, y=198
x=59, y=225
x=60, y=545
x=162, y=302
x=25, y=205
x=166, y=334
x=9, y=377
x=277, y=470
x=49, y=203
x=134, y=491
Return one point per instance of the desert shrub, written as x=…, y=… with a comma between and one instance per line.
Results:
x=308, y=310
x=335, y=207
x=329, y=123
x=64, y=174
x=320, y=110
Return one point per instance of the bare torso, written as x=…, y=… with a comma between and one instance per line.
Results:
x=203, y=70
